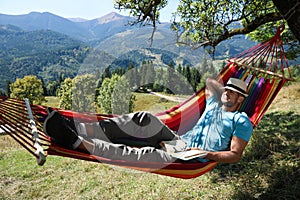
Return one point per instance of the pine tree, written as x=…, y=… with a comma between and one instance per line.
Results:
x=159, y=81
x=8, y=91
x=149, y=75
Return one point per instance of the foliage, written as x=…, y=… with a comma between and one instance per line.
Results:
x=268, y=30
x=79, y=93
x=115, y=96
x=295, y=72
x=146, y=11
x=83, y=94
x=209, y=22
x=2, y=92
x=28, y=87
x=65, y=94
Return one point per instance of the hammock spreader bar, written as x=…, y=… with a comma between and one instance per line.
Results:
x=41, y=156
x=263, y=67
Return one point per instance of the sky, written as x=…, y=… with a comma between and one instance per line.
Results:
x=87, y=9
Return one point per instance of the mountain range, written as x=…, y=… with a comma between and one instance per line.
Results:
x=84, y=30
x=53, y=47
x=94, y=31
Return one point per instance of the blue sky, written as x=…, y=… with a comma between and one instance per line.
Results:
x=87, y=9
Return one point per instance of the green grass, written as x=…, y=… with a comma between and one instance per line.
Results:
x=52, y=101
x=152, y=103
x=269, y=169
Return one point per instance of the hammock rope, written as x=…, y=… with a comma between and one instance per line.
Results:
x=263, y=67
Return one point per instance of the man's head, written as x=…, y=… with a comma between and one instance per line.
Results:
x=234, y=94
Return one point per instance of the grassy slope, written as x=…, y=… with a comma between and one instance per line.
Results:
x=269, y=169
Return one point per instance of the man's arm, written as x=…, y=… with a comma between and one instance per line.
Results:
x=233, y=155
x=213, y=88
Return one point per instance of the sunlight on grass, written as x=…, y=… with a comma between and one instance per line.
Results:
x=288, y=99
x=152, y=103
x=52, y=101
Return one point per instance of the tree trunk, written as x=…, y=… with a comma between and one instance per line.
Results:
x=290, y=9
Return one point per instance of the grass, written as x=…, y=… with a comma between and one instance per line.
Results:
x=269, y=169
x=152, y=103
x=52, y=101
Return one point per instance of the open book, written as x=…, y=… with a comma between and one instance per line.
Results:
x=179, y=149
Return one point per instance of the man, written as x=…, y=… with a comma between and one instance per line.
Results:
x=222, y=132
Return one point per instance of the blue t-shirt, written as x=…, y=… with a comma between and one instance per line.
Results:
x=215, y=128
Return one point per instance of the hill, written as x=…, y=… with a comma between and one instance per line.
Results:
x=34, y=52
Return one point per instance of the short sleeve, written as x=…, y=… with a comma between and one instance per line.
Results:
x=243, y=127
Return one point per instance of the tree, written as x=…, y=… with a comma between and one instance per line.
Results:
x=131, y=76
x=84, y=93
x=195, y=78
x=52, y=87
x=2, y=92
x=28, y=87
x=146, y=11
x=115, y=96
x=290, y=10
x=149, y=75
x=65, y=94
x=8, y=91
x=143, y=70
x=159, y=81
x=209, y=22
x=78, y=93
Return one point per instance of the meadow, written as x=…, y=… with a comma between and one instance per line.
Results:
x=270, y=168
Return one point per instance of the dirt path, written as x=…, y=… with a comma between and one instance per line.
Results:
x=170, y=98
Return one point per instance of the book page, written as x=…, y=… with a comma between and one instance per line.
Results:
x=189, y=154
x=179, y=149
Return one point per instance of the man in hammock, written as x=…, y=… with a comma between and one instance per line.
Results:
x=222, y=132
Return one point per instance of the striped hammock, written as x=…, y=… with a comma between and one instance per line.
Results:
x=263, y=67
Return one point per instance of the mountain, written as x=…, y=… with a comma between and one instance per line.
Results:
x=43, y=53
x=46, y=21
x=32, y=42
x=113, y=30
x=165, y=40
x=106, y=26
x=77, y=19
x=84, y=30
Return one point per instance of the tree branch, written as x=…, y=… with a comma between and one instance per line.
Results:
x=290, y=9
x=270, y=17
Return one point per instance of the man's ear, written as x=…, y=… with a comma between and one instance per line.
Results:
x=241, y=98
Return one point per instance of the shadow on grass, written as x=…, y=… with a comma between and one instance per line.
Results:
x=270, y=168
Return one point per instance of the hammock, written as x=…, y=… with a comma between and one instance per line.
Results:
x=264, y=67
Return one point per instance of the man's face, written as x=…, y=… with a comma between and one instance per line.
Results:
x=231, y=98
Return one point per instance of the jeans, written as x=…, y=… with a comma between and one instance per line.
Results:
x=114, y=138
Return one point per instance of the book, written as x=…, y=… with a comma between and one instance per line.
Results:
x=179, y=149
